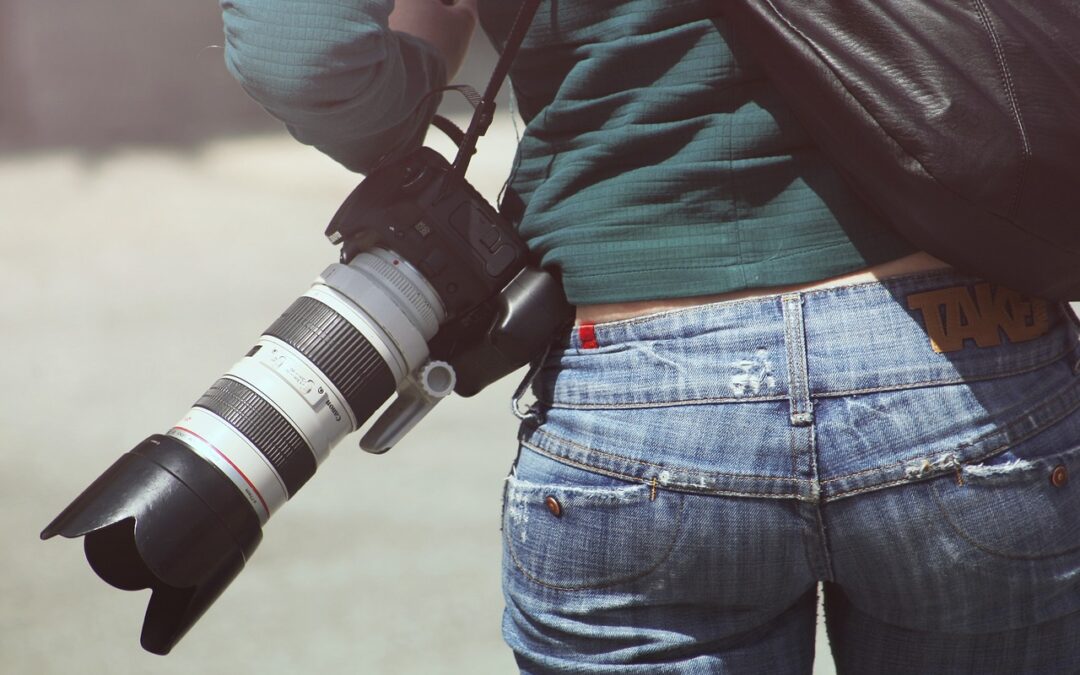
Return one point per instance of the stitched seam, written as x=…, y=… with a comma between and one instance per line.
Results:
x=793, y=432
x=803, y=404
x=626, y=495
x=962, y=446
x=885, y=132
x=680, y=487
x=661, y=404
x=960, y=380
x=1014, y=106
x=582, y=465
x=811, y=45
x=640, y=462
x=795, y=382
x=830, y=574
x=622, y=580
x=827, y=394
x=945, y=512
x=882, y=486
x=978, y=458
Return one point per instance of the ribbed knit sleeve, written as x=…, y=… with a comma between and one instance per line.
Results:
x=335, y=74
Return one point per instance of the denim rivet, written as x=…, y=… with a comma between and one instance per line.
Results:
x=1059, y=476
x=554, y=506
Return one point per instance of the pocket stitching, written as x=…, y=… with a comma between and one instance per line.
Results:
x=677, y=530
x=946, y=514
x=1004, y=430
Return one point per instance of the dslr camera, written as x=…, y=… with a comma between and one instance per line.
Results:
x=434, y=293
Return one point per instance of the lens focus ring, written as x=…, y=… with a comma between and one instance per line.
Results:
x=265, y=427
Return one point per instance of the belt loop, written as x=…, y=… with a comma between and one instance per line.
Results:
x=587, y=335
x=802, y=408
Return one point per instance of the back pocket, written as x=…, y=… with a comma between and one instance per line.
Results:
x=1023, y=504
x=574, y=537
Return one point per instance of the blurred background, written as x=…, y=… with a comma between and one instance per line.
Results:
x=94, y=75
x=153, y=221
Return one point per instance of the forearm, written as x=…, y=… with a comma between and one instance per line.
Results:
x=335, y=73
x=447, y=27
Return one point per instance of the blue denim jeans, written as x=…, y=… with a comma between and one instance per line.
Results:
x=686, y=480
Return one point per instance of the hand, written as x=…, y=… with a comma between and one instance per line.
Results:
x=446, y=24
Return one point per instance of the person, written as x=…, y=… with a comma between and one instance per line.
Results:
x=766, y=390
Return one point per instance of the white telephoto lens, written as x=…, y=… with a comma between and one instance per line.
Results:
x=317, y=374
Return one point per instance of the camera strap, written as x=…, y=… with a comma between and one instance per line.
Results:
x=484, y=109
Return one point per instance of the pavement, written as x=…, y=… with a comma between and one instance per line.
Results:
x=131, y=280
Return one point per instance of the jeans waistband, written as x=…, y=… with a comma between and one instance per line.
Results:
x=924, y=329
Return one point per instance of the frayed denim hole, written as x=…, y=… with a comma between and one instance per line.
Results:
x=626, y=493
x=603, y=536
x=1051, y=446
x=1003, y=470
x=1010, y=508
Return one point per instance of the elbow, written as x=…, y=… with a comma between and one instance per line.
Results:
x=352, y=88
x=306, y=81
x=304, y=55
x=270, y=87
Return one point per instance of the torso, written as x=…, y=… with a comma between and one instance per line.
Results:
x=658, y=161
x=916, y=262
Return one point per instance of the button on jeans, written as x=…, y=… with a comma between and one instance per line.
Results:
x=686, y=481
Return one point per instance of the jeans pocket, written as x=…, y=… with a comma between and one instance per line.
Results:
x=570, y=535
x=1023, y=504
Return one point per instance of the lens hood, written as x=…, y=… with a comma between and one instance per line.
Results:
x=163, y=518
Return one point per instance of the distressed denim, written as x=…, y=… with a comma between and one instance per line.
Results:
x=686, y=480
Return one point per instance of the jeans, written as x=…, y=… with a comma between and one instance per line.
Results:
x=685, y=480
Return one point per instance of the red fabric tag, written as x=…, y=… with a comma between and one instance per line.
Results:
x=587, y=335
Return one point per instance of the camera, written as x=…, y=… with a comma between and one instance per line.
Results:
x=434, y=293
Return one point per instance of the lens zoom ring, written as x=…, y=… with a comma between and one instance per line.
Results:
x=265, y=427
x=340, y=351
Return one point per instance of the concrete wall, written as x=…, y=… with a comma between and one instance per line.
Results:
x=97, y=74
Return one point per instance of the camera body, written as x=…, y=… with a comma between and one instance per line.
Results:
x=419, y=208
x=433, y=293
x=422, y=209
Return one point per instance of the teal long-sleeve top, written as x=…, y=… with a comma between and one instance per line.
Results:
x=657, y=161
x=335, y=74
